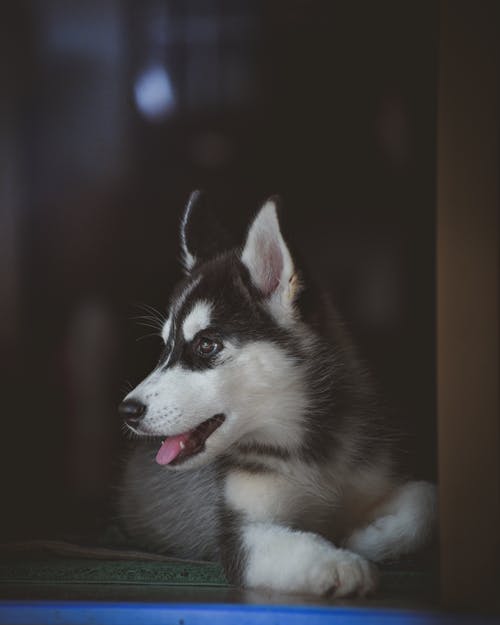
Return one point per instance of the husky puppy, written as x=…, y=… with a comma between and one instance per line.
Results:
x=263, y=442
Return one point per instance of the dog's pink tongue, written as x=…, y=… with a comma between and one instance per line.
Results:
x=171, y=448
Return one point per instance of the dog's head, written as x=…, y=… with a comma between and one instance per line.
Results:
x=229, y=373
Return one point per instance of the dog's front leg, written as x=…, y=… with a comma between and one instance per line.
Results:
x=282, y=559
x=259, y=549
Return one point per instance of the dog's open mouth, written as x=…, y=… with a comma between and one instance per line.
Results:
x=175, y=449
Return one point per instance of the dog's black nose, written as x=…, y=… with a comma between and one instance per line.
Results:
x=131, y=411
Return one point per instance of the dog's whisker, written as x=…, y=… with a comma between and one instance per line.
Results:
x=148, y=336
x=126, y=387
x=152, y=313
x=148, y=322
x=150, y=317
x=150, y=325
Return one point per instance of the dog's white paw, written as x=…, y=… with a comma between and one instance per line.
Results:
x=343, y=574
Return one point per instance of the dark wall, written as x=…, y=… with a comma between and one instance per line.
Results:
x=111, y=112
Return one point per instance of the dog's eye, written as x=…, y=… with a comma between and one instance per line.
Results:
x=206, y=347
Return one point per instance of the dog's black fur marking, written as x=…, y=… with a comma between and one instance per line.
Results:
x=263, y=450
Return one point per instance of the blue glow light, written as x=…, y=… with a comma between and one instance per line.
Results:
x=154, y=94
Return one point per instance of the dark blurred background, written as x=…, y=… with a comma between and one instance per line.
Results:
x=110, y=113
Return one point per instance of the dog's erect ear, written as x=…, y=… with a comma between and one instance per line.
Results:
x=202, y=236
x=267, y=258
x=188, y=256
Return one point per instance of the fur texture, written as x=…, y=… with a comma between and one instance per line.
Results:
x=294, y=488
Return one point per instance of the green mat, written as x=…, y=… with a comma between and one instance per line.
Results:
x=52, y=562
x=57, y=563
x=73, y=571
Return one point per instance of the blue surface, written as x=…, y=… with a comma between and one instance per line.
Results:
x=111, y=613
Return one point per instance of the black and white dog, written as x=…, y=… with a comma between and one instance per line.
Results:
x=264, y=443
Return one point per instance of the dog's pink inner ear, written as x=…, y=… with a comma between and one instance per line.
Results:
x=272, y=267
x=265, y=254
